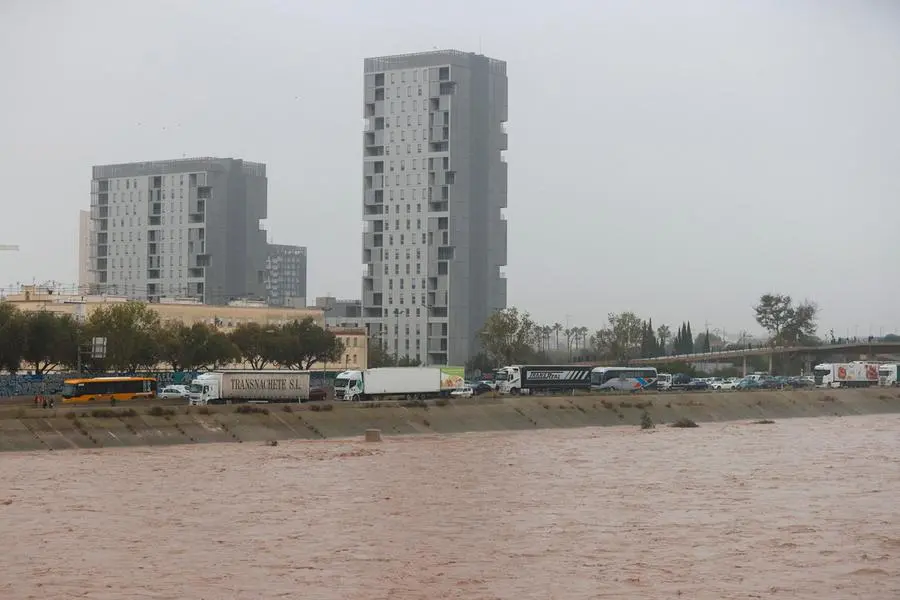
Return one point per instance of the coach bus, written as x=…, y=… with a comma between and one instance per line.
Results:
x=107, y=389
x=623, y=379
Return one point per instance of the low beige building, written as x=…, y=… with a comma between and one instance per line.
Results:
x=225, y=318
x=356, y=355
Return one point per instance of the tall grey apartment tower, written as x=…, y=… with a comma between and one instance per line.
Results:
x=185, y=228
x=434, y=186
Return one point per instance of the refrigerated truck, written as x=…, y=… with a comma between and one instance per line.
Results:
x=853, y=374
x=398, y=382
x=524, y=379
x=887, y=375
x=238, y=386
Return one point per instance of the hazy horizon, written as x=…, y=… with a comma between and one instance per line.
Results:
x=673, y=159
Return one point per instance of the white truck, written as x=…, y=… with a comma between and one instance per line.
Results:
x=408, y=382
x=233, y=387
x=887, y=375
x=852, y=374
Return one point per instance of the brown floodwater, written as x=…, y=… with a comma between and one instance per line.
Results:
x=804, y=508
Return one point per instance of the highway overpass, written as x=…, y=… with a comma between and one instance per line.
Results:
x=858, y=350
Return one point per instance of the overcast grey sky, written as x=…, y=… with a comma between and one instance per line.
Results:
x=676, y=159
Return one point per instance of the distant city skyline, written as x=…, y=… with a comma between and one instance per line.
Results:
x=675, y=161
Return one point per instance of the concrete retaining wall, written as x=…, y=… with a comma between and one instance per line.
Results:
x=100, y=427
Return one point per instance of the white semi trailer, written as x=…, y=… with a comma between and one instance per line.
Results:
x=408, y=382
x=233, y=387
x=852, y=374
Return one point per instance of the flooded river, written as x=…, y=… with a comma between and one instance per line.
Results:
x=804, y=508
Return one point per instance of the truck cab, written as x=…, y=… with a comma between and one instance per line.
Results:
x=509, y=380
x=204, y=389
x=348, y=385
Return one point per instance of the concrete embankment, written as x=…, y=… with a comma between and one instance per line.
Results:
x=142, y=425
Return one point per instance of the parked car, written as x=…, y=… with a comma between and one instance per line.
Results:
x=482, y=387
x=466, y=391
x=774, y=383
x=747, y=384
x=697, y=384
x=800, y=383
x=724, y=384
x=174, y=391
x=316, y=394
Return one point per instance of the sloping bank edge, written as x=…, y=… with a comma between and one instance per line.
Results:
x=35, y=429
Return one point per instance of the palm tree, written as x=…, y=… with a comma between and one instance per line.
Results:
x=663, y=333
x=557, y=327
x=546, y=330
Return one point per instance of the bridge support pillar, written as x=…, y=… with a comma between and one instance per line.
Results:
x=745, y=366
x=770, y=364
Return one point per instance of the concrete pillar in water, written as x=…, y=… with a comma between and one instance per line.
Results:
x=745, y=366
x=770, y=364
x=373, y=435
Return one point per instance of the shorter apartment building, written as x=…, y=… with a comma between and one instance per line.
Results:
x=225, y=318
x=285, y=278
x=340, y=312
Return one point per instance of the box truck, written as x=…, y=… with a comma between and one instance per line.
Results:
x=407, y=382
x=853, y=374
x=232, y=387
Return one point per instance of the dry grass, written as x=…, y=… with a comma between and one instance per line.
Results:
x=161, y=411
x=251, y=409
x=684, y=423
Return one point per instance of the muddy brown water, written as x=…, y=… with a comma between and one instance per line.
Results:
x=803, y=508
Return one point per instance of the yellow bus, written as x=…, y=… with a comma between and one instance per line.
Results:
x=111, y=389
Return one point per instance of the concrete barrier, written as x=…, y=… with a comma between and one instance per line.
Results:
x=100, y=427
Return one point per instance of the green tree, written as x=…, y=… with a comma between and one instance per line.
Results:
x=51, y=340
x=407, y=361
x=378, y=355
x=705, y=347
x=300, y=344
x=507, y=336
x=663, y=335
x=480, y=363
x=195, y=347
x=678, y=341
x=789, y=324
x=621, y=339
x=132, y=336
x=257, y=345
x=12, y=337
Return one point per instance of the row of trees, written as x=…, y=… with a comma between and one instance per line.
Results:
x=137, y=340
x=511, y=336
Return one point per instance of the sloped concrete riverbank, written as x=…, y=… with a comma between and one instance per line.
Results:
x=143, y=425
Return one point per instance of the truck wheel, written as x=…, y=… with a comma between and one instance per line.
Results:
x=514, y=391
